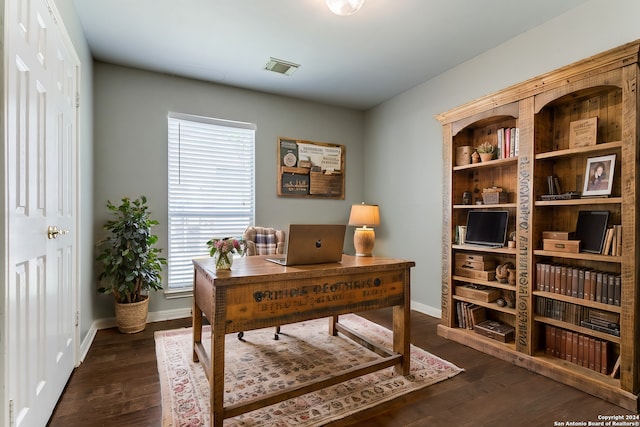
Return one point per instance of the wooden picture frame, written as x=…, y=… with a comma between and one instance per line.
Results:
x=598, y=176
x=311, y=169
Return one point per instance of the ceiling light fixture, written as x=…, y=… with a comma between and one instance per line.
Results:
x=344, y=7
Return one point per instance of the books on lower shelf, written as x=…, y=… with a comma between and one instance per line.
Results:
x=469, y=314
x=587, y=317
x=579, y=349
x=582, y=283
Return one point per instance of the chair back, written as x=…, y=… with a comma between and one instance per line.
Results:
x=263, y=241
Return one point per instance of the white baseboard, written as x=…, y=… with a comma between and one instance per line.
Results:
x=428, y=310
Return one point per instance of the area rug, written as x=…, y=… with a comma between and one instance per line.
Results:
x=260, y=364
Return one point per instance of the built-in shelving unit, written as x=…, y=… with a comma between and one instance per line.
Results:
x=553, y=332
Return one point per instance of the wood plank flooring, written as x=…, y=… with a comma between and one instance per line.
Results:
x=118, y=385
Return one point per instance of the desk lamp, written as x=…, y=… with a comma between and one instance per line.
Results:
x=363, y=216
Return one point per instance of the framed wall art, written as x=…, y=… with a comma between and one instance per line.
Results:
x=310, y=169
x=598, y=177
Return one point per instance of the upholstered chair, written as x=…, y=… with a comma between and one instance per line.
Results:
x=263, y=241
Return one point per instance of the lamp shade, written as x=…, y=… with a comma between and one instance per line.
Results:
x=364, y=215
x=344, y=7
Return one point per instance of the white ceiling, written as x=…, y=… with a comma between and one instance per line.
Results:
x=355, y=61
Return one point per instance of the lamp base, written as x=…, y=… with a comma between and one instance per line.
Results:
x=363, y=241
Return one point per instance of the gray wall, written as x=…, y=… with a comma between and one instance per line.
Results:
x=399, y=141
x=404, y=128
x=131, y=149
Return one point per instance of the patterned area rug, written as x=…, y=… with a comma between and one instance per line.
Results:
x=304, y=352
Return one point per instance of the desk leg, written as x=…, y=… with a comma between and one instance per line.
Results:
x=333, y=320
x=196, y=324
x=216, y=385
x=402, y=329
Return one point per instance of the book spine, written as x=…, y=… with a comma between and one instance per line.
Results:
x=611, y=289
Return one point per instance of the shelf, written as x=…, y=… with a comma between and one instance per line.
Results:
x=471, y=338
x=508, y=251
x=577, y=328
x=580, y=202
x=489, y=305
x=491, y=283
x=578, y=301
x=578, y=369
x=592, y=149
x=581, y=256
x=497, y=205
x=491, y=163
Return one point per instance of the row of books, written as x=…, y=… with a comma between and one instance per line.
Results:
x=582, y=283
x=592, y=318
x=613, y=241
x=508, y=142
x=469, y=314
x=577, y=348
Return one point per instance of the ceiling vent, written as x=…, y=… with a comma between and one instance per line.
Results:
x=280, y=66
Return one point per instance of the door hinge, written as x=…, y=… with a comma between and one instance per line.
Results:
x=77, y=318
x=77, y=100
x=10, y=412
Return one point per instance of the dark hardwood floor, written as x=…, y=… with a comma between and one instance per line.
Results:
x=118, y=385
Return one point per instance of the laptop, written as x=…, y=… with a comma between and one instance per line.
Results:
x=312, y=244
x=486, y=229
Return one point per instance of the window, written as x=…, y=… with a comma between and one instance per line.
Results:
x=211, y=188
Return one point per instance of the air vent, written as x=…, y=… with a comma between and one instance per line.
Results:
x=282, y=67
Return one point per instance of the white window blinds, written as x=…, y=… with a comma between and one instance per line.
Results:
x=211, y=188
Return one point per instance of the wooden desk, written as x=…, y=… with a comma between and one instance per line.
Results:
x=257, y=294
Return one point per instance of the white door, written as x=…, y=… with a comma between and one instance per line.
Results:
x=41, y=70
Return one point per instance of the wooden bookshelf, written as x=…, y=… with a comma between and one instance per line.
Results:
x=542, y=109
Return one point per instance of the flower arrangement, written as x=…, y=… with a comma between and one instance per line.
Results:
x=485, y=147
x=222, y=251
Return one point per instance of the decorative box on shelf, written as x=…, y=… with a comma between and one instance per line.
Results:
x=475, y=262
x=557, y=245
x=494, y=195
x=479, y=293
x=475, y=274
x=558, y=235
x=495, y=330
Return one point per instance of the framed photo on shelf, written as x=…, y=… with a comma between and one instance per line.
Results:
x=598, y=176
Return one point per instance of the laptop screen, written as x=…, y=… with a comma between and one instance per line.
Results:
x=487, y=227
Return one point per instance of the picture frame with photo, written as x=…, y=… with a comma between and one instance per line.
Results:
x=598, y=176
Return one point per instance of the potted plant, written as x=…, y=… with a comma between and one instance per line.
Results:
x=486, y=151
x=131, y=265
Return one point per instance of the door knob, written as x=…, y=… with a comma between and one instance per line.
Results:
x=53, y=231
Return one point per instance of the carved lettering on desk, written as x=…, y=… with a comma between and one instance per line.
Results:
x=524, y=185
x=319, y=291
x=292, y=300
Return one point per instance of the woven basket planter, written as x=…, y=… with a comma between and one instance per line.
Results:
x=132, y=318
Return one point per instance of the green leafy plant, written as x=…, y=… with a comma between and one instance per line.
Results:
x=130, y=262
x=485, y=147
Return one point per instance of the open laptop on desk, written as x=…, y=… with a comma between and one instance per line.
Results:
x=486, y=229
x=313, y=244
